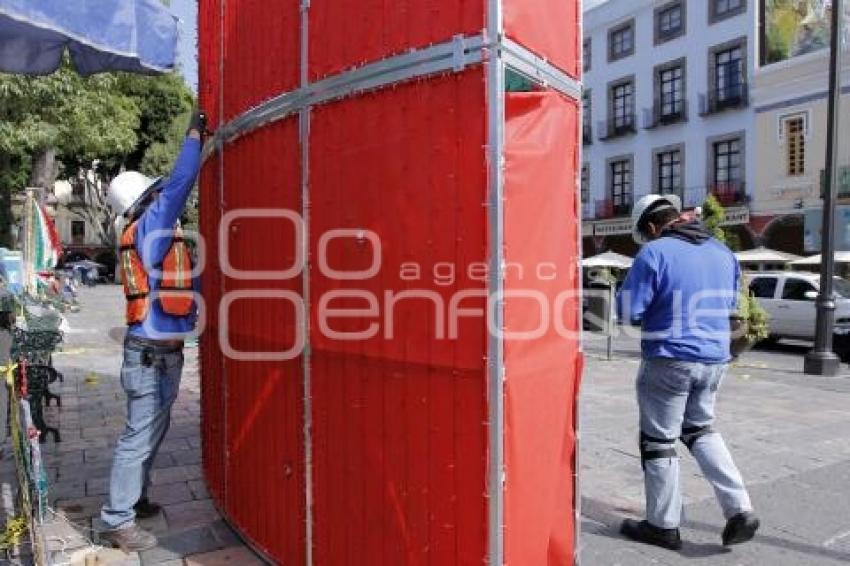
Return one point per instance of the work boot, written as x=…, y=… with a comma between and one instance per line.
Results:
x=740, y=528
x=145, y=508
x=129, y=539
x=642, y=531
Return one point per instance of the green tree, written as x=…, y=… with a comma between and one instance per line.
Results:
x=749, y=310
x=66, y=121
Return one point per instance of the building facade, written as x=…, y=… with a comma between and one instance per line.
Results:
x=791, y=132
x=667, y=109
x=83, y=220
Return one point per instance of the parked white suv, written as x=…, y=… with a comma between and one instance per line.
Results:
x=789, y=299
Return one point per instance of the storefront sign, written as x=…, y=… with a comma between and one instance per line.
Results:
x=613, y=227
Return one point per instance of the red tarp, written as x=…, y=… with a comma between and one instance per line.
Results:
x=399, y=420
x=399, y=434
x=264, y=399
x=210, y=358
x=262, y=51
x=547, y=27
x=542, y=252
x=348, y=33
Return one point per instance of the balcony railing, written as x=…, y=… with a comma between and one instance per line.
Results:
x=609, y=208
x=724, y=98
x=622, y=126
x=729, y=192
x=654, y=117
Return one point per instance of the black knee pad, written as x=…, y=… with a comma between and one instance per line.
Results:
x=690, y=434
x=653, y=448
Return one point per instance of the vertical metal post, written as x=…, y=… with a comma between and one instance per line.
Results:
x=306, y=358
x=577, y=418
x=822, y=360
x=495, y=344
x=609, y=321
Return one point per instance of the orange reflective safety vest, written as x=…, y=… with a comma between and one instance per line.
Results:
x=174, y=292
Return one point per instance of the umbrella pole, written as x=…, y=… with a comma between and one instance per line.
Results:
x=822, y=360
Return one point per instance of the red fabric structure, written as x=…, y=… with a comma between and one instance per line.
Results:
x=359, y=231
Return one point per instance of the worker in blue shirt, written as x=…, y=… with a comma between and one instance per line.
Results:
x=157, y=274
x=681, y=290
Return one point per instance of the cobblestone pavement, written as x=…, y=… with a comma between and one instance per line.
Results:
x=90, y=419
x=789, y=434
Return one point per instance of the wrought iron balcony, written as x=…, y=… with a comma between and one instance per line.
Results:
x=729, y=193
x=611, y=208
x=724, y=98
x=674, y=113
x=615, y=128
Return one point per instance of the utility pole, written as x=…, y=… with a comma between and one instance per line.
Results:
x=822, y=360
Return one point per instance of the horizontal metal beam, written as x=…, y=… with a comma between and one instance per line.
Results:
x=449, y=56
x=538, y=69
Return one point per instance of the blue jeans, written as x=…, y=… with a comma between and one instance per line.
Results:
x=676, y=401
x=151, y=383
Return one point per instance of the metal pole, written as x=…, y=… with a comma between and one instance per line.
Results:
x=609, y=323
x=822, y=360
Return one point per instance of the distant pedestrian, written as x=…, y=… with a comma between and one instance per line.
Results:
x=92, y=276
x=681, y=291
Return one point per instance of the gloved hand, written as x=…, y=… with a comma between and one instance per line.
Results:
x=198, y=122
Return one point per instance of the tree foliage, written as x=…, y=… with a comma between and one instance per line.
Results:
x=112, y=117
x=749, y=309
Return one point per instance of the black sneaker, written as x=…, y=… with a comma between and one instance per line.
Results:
x=129, y=539
x=642, y=531
x=740, y=528
x=145, y=508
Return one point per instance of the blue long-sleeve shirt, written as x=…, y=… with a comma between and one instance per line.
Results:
x=682, y=294
x=158, y=222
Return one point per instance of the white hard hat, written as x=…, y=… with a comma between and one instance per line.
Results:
x=126, y=189
x=647, y=203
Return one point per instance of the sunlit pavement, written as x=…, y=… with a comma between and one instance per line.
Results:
x=789, y=434
x=90, y=419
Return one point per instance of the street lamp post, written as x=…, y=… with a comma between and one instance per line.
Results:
x=822, y=360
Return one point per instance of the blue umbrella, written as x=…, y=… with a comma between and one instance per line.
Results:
x=139, y=36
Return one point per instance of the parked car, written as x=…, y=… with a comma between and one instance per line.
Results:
x=789, y=299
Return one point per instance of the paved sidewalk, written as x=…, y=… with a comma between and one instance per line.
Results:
x=787, y=432
x=90, y=419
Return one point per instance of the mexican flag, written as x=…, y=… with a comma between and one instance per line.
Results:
x=43, y=244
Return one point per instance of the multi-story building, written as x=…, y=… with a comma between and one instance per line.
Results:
x=666, y=110
x=790, y=92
